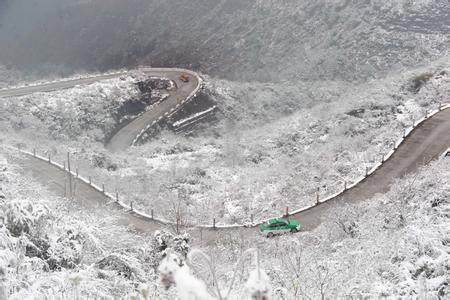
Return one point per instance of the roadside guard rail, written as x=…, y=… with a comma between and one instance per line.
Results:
x=151, y=218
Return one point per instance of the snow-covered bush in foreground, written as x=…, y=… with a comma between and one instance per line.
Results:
x=166, y=241
x=175, y=271
x=258, y=285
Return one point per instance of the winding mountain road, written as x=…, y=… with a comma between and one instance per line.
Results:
x=427, y=141
x=182, y=91
x=125, y=136
x=55, y=86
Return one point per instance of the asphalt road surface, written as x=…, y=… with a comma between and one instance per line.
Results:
x=55, y=86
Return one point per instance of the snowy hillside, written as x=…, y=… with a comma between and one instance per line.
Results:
x=392, y=246
x=306, y=97
x=250, y=40
x=84, y=113
x=50, y=248
x=395, y=245
x=273, y=146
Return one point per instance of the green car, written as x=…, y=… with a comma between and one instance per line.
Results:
x=279, y=226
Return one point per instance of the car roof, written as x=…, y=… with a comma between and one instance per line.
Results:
x=277, y=220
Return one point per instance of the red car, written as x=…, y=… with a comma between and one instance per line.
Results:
x=184, y=77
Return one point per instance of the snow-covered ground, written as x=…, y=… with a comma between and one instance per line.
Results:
x=45, y=254
x=394, y=245
x=83, y=113
x=314, y=92
x=273, y=146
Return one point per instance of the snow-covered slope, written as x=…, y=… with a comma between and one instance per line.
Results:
x=81, y=113
x=59, y=249
x=251, y=39
x=273, y=146
x=309, y=94
x=395, y=245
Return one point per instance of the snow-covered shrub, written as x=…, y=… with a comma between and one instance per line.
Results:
x=189, y=287
x=419, y=81
x=173, y=271
x=166, y=241
x=8, y=260
x=6, y=240
x=101, y=160
x=66, y=251
x=162, y=239
x=181, y=244
x=23, y=217
x=258, y=285
x=37, y=247
x=170, y=264
x=116, y=264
